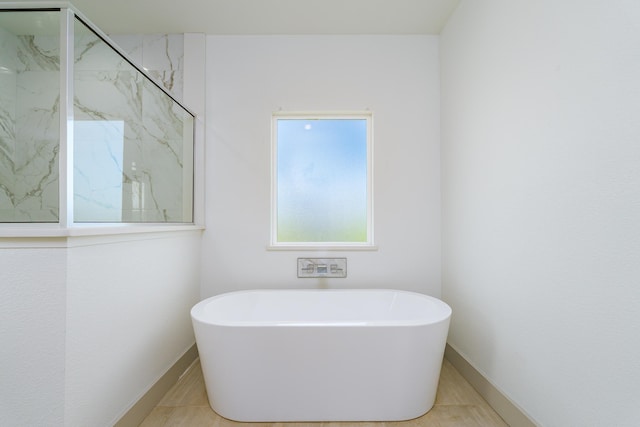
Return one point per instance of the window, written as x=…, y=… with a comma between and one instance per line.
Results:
x=322, y=180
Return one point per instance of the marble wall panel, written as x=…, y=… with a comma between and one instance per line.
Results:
x=38, y=53
x=101, y=98
x=30, y=123
x=131, y=45
x=107, y=90
x=163, y=154
x=93, y=54
x=37, y=145
x=152, y=164
x=8, y=83
x=163, y=58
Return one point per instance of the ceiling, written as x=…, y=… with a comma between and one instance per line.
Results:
x=268, y=16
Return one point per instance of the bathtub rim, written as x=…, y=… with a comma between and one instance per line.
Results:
x=197, y=310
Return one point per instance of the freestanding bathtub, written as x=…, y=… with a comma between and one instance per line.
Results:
x=321, y=355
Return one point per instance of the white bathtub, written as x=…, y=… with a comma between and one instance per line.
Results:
x=321, y=355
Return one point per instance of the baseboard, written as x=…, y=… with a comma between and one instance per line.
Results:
x=150, y=399
x=509, y=411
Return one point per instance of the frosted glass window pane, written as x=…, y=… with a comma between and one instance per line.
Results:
x=322, y=170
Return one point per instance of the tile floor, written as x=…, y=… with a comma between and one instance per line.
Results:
x=457, y=405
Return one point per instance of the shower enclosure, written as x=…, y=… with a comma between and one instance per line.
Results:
x=86, y=136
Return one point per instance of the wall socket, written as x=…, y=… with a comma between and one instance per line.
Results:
x=322, y=267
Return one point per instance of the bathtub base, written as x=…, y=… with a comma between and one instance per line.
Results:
x=364, y=375
x=308, y=370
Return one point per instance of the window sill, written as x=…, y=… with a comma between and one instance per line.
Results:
x=322, y=248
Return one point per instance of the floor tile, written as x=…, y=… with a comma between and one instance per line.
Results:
x=188, y=391
x=457, y=405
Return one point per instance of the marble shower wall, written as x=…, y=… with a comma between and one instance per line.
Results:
x=135, y=129
x=129, y=136
x=8, y=85
x=161, y=55
x=29, y=127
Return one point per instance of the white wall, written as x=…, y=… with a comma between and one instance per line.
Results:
x=128, y=322
x=541, y=201
x=32, y=330
x=89, y=324
x=249, y=78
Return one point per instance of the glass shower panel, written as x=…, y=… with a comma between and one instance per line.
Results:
x=29, y=115
x=133, y=144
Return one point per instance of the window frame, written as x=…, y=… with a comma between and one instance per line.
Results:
x=334, y=115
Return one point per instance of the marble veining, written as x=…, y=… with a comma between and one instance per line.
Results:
x=8, y=84
x=152, y=165
x=7, y=122
x=163, y=56
x=30, y=129
x=38, y=53
x=143, y=163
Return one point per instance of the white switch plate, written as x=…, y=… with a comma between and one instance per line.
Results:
x=322, y=267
